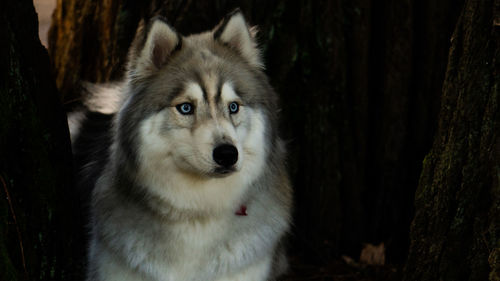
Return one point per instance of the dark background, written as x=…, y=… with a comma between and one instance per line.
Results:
x=360, y=87
x=369, y=89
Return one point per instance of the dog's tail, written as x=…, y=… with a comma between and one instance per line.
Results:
x=91, y=133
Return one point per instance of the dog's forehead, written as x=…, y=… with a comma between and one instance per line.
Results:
x=210, y=90
x=228, y=92
x=206, y=56
x=206, y=74
x=194, y=91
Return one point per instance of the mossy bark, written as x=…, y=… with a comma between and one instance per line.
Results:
x=456, y=231
x=36, y=205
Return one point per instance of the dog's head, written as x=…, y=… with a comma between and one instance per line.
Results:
x=199, y=105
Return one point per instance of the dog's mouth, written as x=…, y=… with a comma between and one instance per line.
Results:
x=223, y=171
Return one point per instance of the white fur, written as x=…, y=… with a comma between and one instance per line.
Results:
x=225, y=247
x=185, y=227
x=222, y=248
x=75, y=120
x=105, y=98
x=189, y=191
x=228, y=93
x=193, y=91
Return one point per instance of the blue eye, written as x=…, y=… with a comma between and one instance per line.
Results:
x=234, y=107
x=185, y=108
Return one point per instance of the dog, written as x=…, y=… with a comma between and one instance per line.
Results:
x=186, y=167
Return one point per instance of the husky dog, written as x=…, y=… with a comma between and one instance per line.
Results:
x=191, y=183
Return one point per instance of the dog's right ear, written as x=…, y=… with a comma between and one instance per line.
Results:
x=152, y=48
x=234, y=32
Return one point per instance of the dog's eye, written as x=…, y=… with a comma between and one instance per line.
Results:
x=185, y=108
x=234, y=107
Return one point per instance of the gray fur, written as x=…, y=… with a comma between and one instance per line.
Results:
x=138, y=231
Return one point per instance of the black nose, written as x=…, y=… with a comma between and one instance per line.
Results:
x=225, y=155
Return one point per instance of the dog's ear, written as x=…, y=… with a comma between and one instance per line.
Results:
x=152, y=47
x=234, y=32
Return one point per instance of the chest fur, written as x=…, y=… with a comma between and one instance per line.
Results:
x=186, y=250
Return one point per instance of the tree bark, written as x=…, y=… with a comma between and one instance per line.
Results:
x=359, y=84
x=456, y=231
x=37, y=217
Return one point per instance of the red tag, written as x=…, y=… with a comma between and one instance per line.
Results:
x=242, y=211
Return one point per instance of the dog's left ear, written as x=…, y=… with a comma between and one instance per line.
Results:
x=234, y=32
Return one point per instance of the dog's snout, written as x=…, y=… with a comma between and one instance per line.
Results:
x=225, y=155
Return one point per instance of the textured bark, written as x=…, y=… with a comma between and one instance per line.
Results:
x=456, y=231
x=359, y=81
x=36, y=207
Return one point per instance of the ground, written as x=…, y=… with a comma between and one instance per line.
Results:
x=340, y=270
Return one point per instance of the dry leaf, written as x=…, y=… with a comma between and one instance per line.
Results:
x=373, y=255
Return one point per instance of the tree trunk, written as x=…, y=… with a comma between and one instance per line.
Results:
x=456, y=231
x=359, y=85
x=37, y=217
